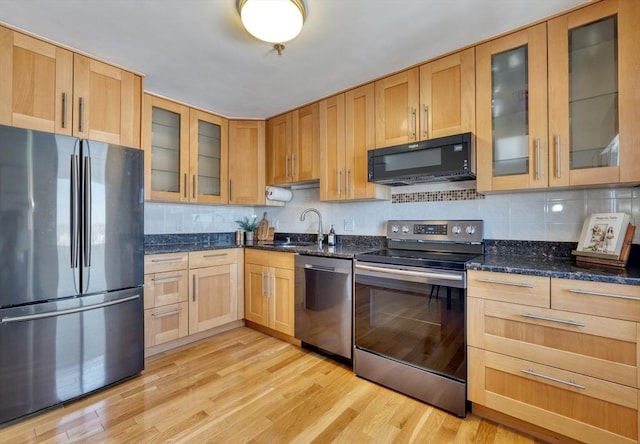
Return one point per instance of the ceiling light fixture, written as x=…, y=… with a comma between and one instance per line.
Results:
x=273, y=21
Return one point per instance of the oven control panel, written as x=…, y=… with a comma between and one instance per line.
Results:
x=468, y=231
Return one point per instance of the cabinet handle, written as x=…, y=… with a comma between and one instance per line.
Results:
x=262, y=284
x=348, y=191
x=230, y=194
x=185, y=185
x=513, y=284
x=193, y=190
x=81, y=116
x=559, y=321
x=412, y=123
x=551, y=378
x=339, y=174
x=286, y=166
x=293, y=165
x=425, y=113
x=537, y=158
x=168, y=259
x=558, y=170
x=64, y=110
x=195, y=287
x=269, y=284
x=215, y=255
x=608, y=295
x=166, y=280
x=166, y=313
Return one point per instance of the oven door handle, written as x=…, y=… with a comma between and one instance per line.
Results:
x=419, y=274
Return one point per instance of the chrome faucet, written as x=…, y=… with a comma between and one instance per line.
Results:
x=320, y=232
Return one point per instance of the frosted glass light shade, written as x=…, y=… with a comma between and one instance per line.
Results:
x=274, y=21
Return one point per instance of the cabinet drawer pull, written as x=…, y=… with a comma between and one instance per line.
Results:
x=215, y=255
x=166, y=313
x=551, y=378
x=607, y=295
x=168, y=259
x=513, y=284
x=559, y=321
x=167, y=279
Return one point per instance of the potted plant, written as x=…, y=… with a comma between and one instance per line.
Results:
x=248, y=225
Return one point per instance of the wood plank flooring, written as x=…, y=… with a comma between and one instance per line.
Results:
x=245, y=386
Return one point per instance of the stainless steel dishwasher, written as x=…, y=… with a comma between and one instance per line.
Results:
x=323, y=317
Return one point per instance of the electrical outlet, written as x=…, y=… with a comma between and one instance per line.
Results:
x=349, y=225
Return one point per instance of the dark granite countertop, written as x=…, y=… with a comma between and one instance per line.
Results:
x=185, y=248
x=343, y=251
x=558, y=267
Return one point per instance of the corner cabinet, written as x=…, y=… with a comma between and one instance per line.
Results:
x=347, y=132
x=557, y=103
x=48, y=88
x=247, y=167
x=434, y=100
x=292, y=146
x=559, y=354
x=269, y=289
x=186, y=153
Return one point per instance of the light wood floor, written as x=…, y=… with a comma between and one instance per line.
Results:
x=244, y=386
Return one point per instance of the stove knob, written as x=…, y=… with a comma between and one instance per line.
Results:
x=471, y=230
x=456, y=230
x=405, y=229
x=395, y=228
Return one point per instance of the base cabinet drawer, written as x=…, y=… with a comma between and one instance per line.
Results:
x=170, y=287
x=166, y=323
x=578, y=406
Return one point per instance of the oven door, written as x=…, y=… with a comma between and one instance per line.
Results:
x=412, y=315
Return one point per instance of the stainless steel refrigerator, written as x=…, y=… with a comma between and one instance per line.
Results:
x=71, y=268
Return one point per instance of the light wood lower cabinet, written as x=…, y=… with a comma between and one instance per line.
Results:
x=189, y=293
x=561, y=354
x=269, y=289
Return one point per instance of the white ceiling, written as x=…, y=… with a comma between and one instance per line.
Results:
x=197, y=52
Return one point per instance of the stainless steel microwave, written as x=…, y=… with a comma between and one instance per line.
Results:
x=450, y=158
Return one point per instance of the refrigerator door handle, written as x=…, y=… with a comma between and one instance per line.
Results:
x=50, y=314
x=86, y=229
x=74, y=211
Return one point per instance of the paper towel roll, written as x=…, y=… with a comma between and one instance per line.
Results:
x=279, y=194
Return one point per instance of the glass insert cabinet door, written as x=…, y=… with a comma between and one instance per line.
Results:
x=590, y=54
x=208, y=157
x=512, y=111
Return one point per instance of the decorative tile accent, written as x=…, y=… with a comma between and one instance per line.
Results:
x=436, y=196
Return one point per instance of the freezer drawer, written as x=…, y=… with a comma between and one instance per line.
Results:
x=56, y=351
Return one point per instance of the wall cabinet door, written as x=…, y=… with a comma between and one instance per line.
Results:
x=396, y=108
x=36, y=83
x=279, y=141
x=208, y=150
x=256, y=307
x=166, y=145
x=447, y=96
x=512, y=111
x=107, y=102
x=593, y=104
x=213, y=297
x=333, y=184
x=247, y=162
x=305, y=152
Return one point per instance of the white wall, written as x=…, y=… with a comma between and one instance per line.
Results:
x=540, y=216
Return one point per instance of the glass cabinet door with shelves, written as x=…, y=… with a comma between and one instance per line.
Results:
x=208, y=152
x=592, y=85
x=512, y=111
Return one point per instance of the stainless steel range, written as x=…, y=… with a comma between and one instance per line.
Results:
x=409, y=315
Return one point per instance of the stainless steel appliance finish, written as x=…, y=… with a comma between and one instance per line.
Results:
x=450, y=158
x=323, y=301
x=71, y=268
x=410, y=310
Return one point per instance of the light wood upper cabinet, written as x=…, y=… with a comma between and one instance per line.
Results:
x=36, y=83
x=593, y=95
x=293, y=151
x=347, y=132
x=186, y=153
x=586, y=132
x=247, y=162
x=434, y=100
x=447, y=96
x=511, y=136
x=48, y=88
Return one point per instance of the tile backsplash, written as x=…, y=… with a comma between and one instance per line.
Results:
x=535, y=216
